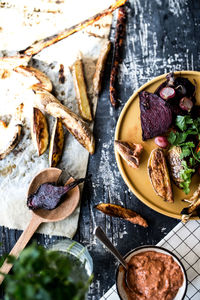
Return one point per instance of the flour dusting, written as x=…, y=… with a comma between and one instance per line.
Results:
x=175, y=7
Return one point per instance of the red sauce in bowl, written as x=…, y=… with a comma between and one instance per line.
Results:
x=152, y=275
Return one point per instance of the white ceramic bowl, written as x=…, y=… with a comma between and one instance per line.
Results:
x=119, y=275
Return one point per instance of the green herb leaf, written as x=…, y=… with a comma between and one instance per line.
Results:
x=188, y=144
x=177, y=138
x=185, y=152
x=181, y=138
x=185, y=185
x=187, y=128
x=180, y=123
x=186, y=176
x=197, y=156
x=172, y=137
x=192, y=161
x=41, y=274
x=183, y=121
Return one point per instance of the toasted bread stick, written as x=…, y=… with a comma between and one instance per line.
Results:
x=74, y=124
x=100, y=66
x=40, y=45
x=119, y=37
x=81, y=90
x=114, y=210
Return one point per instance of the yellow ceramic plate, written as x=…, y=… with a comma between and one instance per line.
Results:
x=129, y=129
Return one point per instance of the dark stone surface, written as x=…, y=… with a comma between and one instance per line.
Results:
x=162, y=36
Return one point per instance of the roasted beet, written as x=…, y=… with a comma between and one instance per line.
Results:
x=161, y=141
x=49, y=196
x=168, y=83
x=160, y=87
x=155, y=114
x=183, y=84
x=167, y=93
x=186, y=104
x=183, y=88
x=170, y=79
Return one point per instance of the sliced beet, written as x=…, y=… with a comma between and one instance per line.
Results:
x=181, y=90
x=161, y=141
x=167, y=93
x=49, y=196
x=184, y=83
x=155, y=114
x=186, y=104
x=183, y=87
x=169, y=82
x=160, y=87
x=170, y=79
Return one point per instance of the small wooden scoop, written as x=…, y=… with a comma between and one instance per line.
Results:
x=64, y=210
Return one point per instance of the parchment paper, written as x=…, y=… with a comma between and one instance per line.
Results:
x=30, y=21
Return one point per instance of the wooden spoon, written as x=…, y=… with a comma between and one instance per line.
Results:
x=64, y=210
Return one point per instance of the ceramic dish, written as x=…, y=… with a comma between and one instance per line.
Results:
x=119, y=275
x=129, y=129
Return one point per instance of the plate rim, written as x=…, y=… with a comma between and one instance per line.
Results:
x=116, y=137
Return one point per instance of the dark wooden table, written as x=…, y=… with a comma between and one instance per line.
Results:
x=162, y=36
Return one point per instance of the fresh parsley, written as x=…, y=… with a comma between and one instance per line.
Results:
x=186, y=175
x=41, y=274
x=185, y=152
x=182, y=122
x=188, y=129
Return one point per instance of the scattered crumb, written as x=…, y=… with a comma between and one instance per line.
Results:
x=61, y=74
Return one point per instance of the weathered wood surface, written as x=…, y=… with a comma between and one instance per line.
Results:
x=162, y=36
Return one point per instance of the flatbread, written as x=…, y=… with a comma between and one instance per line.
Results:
x=33, y=20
